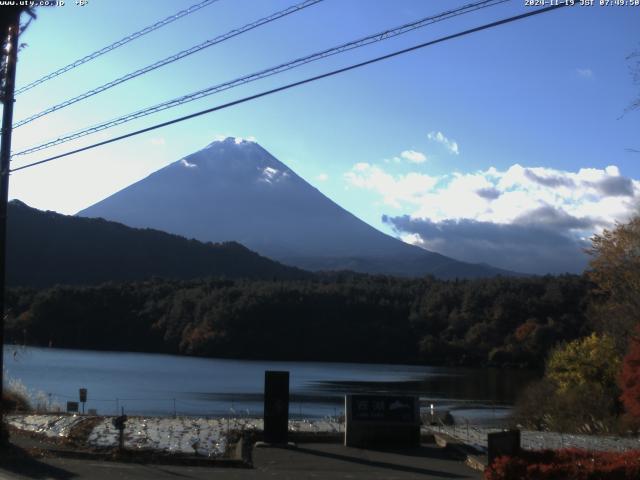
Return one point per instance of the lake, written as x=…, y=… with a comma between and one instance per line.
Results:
x=155, y=384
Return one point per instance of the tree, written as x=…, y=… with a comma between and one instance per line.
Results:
x=591, y=360
x=630, y=378
x=578, y=392
x=615, y=270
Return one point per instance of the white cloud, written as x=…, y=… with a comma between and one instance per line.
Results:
x=612, y=170
x=501, y=196
x=531, y=219
x=412, y=239
x=450, y=145
x=414, y=156
x=395, y=189
x=584, y=72
x=158, y=141
x=323, y=177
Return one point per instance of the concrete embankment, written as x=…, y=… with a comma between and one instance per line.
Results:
x=199, y=437
x=51, y=444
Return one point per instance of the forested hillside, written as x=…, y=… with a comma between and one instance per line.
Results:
x=46, y=248
x=341, y=317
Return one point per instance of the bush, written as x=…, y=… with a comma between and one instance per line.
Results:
x=535, y=406
x=578, y=392
x=15, y=396
x=566, y=464
x=586, y=408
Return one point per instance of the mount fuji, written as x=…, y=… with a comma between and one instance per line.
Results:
x=234, y=190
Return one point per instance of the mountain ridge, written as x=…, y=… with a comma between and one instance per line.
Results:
x=46, y=248
x=236, y=190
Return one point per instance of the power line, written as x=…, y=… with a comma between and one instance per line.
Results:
x=377, y=37
x=172, y=58
x=297, y=84
x=119, y=43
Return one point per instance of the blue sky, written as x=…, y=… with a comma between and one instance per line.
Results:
x=511, y=140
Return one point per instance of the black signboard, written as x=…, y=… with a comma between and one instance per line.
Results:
x=383, y=408
x=83, y=395
x=276, y=406
x=382, y=421
x=503, y=443
x=72, y=406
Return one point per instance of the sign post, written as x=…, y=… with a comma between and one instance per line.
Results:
x=83, y=398
x=119, y=424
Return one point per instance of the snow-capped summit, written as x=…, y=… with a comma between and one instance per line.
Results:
x=235, y=154
x=233, y=140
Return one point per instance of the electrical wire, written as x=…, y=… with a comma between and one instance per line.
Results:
x=170, y=59
x=119, y=43
x=374, y=38
x=298, y=83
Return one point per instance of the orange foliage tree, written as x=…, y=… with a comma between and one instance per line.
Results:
x=615, y=270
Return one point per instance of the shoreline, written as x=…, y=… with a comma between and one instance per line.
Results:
x=205, y=437
x=406, y=363
x=208, y=436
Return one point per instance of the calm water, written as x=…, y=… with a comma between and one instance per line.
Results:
x=154, y=384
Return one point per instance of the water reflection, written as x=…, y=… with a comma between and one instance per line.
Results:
x=155, y=384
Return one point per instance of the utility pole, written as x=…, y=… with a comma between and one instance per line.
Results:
x=9, y=80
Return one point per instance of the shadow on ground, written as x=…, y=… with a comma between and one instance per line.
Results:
x=421, y=452
x=21, y=462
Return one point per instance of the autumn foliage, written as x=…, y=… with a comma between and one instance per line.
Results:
x=566, y=464
x=588, y=361
x=615, y=272
x=630, y=378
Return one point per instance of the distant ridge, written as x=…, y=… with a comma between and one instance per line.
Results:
x=234, y=190
x=47, y=248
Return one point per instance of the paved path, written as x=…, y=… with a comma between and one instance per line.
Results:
x=308, y=461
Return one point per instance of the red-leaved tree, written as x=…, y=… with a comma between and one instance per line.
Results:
x=630, y=377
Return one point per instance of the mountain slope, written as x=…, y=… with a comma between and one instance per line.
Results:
x=46, y=248
x=236, y=191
